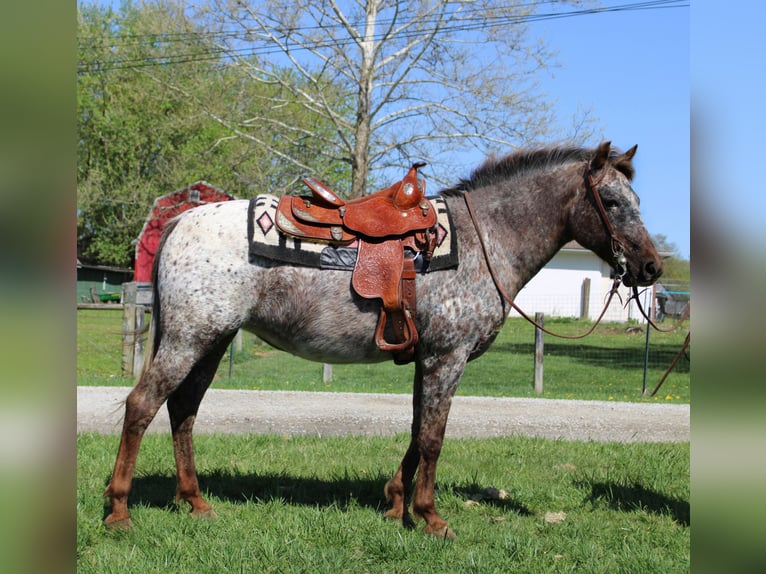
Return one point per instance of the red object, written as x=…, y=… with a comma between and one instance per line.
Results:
x=164, y=209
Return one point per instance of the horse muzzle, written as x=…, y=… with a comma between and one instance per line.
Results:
x=645, y=273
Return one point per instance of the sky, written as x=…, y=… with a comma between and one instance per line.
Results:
x=631, y=70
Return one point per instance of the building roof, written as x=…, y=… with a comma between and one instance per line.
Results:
x=81, y=265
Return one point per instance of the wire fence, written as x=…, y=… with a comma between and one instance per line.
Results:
x=619, y=361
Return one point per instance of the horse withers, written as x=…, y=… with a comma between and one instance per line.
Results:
x=527, y=205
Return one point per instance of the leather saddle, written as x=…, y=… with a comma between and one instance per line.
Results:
x=391, y=226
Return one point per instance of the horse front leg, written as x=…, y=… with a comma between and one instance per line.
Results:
x=432, y=399
x=398, y=488
x=430, y=442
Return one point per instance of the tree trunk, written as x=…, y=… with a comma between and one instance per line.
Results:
x=360, y=161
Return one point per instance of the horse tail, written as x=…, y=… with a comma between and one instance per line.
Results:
x=155, y=326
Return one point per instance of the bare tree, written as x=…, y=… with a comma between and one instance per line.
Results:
x=417, y=80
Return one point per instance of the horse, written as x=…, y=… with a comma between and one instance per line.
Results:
x=523, y=208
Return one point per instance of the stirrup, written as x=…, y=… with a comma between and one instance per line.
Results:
x=411, y=339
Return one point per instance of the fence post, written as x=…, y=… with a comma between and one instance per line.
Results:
x=133, y=337
x=326, y=373
x=539, y=343
x=128, y=338
x=585, y=307
x=140, y=337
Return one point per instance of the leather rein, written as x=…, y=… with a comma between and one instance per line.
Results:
x=617, y=250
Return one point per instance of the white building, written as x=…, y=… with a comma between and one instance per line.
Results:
x=576, y=283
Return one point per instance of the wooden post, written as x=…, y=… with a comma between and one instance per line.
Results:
x=231, y=358
x=139, y=338
x=539, y=343
x=133, y=339
x=326, y=373
x=585, y=307
x=128, y=338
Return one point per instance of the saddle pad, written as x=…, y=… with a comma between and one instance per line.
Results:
x=265, y=240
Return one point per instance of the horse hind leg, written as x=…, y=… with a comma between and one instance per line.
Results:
x=167, y=371
x=183, y=405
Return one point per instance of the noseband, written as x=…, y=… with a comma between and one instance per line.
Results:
x=618, y=251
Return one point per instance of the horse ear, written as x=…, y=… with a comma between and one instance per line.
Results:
x=628, y=155
x=602, y=154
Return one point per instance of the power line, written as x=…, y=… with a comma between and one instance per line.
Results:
x=468, y=24
x=465, y=24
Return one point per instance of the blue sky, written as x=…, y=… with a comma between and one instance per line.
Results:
x=631, y=69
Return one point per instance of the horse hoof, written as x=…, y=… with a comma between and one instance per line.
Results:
x=408, y=522
x=208, y=514
x=445, y=532
x=393, y=514
x=112, y=523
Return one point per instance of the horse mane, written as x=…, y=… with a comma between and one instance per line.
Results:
x=518, y=163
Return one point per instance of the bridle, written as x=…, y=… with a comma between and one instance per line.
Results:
x=618, y=252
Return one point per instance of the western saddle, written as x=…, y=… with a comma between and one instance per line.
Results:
x=391, y=226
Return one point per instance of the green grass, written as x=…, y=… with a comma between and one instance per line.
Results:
x=607, y=365
x=306, y=504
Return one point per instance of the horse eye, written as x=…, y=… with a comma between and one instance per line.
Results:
x=611, y=203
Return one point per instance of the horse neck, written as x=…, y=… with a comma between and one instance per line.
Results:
x=525, y=222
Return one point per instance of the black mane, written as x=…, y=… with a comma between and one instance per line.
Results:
x=515, y=164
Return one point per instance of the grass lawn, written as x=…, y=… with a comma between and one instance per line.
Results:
x=288, y=504
x=607, y=365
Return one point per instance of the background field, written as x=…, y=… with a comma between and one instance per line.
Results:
x=607, y=365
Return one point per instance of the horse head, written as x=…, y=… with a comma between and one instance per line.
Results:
x=606, y=218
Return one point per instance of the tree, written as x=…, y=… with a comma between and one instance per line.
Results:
x=419, y=79
x=677, y=270
x=134, y=137
x=149, y=85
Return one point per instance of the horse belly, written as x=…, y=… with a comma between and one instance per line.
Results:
x=313, y=314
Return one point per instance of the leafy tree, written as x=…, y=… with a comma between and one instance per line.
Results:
x=150, y=84
x=677, y=269
x=133, y=136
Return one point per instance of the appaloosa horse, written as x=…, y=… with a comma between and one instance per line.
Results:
x=527, y=205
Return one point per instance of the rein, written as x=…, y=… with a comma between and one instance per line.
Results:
x=617, y=250
x=649, y=319
x=673, y=328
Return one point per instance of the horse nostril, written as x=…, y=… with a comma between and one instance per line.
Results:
x=651, y=269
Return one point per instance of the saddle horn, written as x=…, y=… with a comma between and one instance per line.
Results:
x=410, y=193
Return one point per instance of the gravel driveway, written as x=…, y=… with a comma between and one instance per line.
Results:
x=100, y=409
